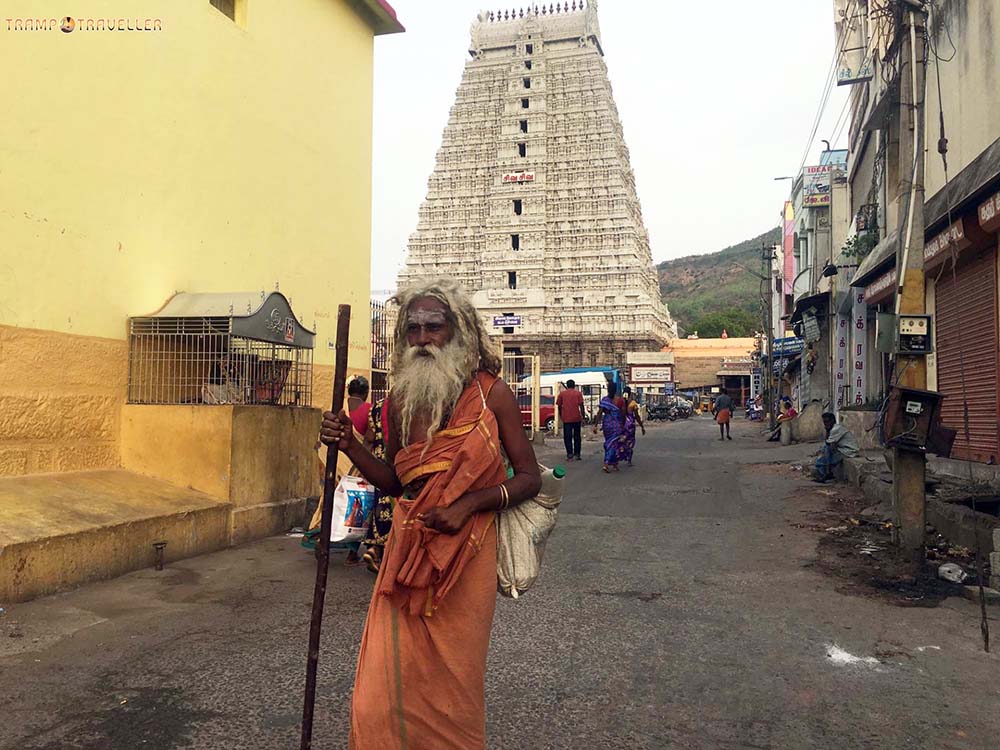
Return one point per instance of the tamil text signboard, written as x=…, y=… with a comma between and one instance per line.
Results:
x=788, y=346
x=854, y=63
x=518, y=177
x=506, y=321
x=859, y=351
x=841, y=354
x=816, y=186
x=810, y=327
x=652, y=374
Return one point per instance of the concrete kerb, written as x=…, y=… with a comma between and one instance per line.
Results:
x=961, y=525
x=957, y=523
x=971, y=592
x=962, y=470
x=995, y=560
x=860, y=468
x=36, y=567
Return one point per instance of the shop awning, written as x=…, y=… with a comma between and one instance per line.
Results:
x=886, y=101
x=802, y=304
x=249, y=314
x=380, y=15
x=971, y=184
x=882, y=256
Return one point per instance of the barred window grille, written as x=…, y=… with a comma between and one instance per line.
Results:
x=213, y=359
x=383, y=327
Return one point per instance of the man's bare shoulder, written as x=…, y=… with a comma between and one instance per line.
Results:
x=500, y=393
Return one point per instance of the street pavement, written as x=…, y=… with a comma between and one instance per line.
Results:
x=679, y=606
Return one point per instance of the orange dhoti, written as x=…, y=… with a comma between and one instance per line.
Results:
x=422, y=664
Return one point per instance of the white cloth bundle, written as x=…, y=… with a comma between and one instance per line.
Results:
x=521, y=535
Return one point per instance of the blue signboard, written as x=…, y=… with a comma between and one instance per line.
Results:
x=668, y=389
x=788, y=346
x=506, y=321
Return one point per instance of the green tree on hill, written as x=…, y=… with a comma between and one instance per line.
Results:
x=697, y=286
x=736, y=323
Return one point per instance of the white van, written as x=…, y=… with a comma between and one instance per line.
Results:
x=592, y=384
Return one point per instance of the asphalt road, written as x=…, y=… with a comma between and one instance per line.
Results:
x=679, y=607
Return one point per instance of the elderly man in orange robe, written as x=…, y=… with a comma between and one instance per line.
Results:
x=422, y=663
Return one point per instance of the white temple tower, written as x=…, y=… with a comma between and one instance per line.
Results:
x=532, y=203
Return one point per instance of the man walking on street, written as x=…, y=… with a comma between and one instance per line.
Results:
x=840, y=444
x=422, y=663
x=570, y=405
x=723, y=411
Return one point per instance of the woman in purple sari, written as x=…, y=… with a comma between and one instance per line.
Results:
x=627, y=445
x=612, y=413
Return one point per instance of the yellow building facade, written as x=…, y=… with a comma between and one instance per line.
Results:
x=197, y=146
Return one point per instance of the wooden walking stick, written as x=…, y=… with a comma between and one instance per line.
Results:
x=323, y=543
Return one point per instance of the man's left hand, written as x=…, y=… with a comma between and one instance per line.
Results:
x=448, y=520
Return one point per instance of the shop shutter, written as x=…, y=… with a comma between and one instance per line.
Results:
x=967, y=312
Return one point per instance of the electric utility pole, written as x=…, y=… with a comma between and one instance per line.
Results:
x=908, y=466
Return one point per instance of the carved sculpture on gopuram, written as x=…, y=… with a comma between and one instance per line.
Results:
x=532, y=203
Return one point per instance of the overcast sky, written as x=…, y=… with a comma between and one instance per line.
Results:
x=716, y=100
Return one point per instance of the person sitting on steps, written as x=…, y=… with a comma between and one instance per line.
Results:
x=788, y=413
x=840, y=444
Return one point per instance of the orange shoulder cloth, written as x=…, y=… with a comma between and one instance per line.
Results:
x=421, y=565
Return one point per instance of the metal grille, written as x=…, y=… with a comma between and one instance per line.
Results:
x=200, y=361
x=522, y=372
x=383, y=325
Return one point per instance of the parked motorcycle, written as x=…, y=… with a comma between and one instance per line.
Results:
x=659, y=413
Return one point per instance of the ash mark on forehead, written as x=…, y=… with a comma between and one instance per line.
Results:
x=424, y=316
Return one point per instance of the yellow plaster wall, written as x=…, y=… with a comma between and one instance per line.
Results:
x=245, y=455
x=60, y=398
x=323, y=384
x=696, y=361
x=207, y=156
x=971, y=114
x=190, y=446
x=273, y=457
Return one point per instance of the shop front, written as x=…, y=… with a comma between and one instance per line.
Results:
x=961, y=267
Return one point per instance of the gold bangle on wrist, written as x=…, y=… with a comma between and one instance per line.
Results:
x=504, y=498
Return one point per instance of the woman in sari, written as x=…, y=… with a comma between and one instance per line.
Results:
x=632, y=418
x=360, y=412
x=612, y=416
x=381, y=520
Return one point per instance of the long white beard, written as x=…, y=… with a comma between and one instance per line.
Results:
x=428, y=382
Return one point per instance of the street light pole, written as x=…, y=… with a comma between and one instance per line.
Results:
x=767, y=257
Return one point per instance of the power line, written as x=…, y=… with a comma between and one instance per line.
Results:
x=830, y=80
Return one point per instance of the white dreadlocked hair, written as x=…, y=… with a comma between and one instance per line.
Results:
x=430, y=385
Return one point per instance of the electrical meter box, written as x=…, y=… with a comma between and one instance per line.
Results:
x=914, y=334
x=885, y=333
x=910, y=417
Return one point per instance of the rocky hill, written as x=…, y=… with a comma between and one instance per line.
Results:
x=705, y=292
